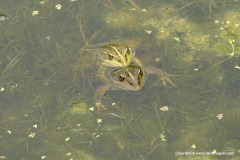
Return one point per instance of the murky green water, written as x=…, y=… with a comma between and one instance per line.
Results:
x=47, y=81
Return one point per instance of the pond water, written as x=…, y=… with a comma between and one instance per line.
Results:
x=48, y=80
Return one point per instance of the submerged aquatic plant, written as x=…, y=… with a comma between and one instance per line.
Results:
x=227, y=33
x=39, y=122
x=211, y=6
x=197, y=42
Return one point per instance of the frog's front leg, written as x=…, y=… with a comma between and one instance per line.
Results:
x=99, y=94
x=159, y=72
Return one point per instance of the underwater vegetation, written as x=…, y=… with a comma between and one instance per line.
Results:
x=47, y=81
x=210, y=5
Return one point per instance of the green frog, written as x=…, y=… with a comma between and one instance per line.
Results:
x=105, y=56
x=113, y=55
x=131, y=78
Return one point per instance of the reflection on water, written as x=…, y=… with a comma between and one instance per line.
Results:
x=48, y=80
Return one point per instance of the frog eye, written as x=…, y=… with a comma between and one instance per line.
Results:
x=110, y=56
x=140, y=72
x=128, y=50
x=121, y=78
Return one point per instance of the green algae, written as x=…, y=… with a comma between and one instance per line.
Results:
x=40, y=116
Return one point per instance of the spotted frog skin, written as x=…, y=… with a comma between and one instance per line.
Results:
x=113, y=55
x=104, y=56
x=131, y=78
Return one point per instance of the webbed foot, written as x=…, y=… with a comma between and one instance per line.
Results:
x=99, y=105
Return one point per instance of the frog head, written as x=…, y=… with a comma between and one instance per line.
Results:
x=115, y=55
x=131, y=77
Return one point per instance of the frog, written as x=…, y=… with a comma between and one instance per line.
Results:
x=103, y=56
x=129, y=78
x=113, y=54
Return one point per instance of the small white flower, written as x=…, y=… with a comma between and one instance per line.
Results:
x=220, y=116
x=162, y=137
x=99, y=120
x=2, y=89
x=48, y=38
x=177, y=39
x=9, y=132
x=91, y=109
x=97, y=136
x=35, y=12
x=193, y=146
x=35, y=126
x=68, y=154
x=232, y=54
x=148, y=31
x=231, y=41
x=58, y=6
x=32, y=135
x=157, y=59
x=214, y=151
x=237, y=67
x=43, y=157
x=164, y=108
x=67, y=139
